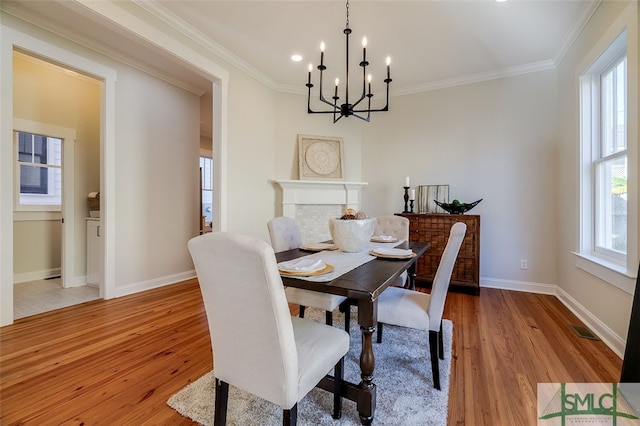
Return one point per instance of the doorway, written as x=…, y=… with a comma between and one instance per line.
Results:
x=50, y=238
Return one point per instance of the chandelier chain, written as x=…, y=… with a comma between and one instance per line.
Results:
x=347, y=13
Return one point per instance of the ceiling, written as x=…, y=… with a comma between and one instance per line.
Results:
x=431, y=43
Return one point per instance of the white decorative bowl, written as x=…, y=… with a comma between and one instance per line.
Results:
x=352, y=235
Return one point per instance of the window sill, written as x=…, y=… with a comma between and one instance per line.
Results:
x=610, y=272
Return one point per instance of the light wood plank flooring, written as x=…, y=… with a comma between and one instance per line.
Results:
x=118, y=361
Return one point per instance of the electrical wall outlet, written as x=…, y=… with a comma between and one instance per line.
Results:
x=523, y=264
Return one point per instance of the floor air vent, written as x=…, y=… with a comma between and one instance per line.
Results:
x=583, y=332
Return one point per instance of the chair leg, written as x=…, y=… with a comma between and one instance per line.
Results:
x=338, y=375
x=440, y=343
x=379, y=333
x=328, y=317
x=301, y=315
x=290, y=417
x=435, y=366
x=221, y=396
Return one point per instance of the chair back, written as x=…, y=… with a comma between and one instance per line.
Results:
x=443, y=275
x=396, y=226
x=248, y=315
x=284, y=233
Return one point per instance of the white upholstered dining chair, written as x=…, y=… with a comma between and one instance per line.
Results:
x=285, y=235
x=413, y=309
x=258, y=346
x=398, y=227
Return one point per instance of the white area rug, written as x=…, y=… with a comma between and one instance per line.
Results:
x=405, y=393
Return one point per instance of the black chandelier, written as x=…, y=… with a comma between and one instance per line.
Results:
x=347, y=109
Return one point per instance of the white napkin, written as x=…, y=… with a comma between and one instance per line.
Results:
x=302, y=265
x=393, y=251
x=383, y=237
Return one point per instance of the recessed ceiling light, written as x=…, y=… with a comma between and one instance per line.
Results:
x=500, y=1
x=296, y=58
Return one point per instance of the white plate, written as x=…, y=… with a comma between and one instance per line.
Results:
x=393, y=253
x=384, y=239
x=318, y=246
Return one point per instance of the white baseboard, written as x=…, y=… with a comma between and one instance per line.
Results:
x=154, y=283
x=525, y=286
x=600, y=329
x=36, y=275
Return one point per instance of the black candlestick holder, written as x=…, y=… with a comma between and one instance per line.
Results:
x=411, y=205
x=406, y=199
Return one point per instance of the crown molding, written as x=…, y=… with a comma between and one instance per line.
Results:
x=476, y=78
x=575, y=32
x=65, y=32
x=179, y=25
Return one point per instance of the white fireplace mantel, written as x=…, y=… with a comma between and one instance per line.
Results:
x=313, y=202
x=300, y=192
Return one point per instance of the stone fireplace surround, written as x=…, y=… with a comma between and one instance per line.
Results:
x=312, y=203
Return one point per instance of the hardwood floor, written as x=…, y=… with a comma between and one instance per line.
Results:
x=118, y=361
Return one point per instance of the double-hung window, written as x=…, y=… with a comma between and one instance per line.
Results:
x=604, y=171
x=610, y=163
x=39, y=172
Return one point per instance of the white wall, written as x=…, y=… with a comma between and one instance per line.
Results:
x=156, y=187
x=608, y=307
x=492, y=140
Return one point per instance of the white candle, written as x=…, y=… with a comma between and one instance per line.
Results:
x=412, y=194
x=406, y=181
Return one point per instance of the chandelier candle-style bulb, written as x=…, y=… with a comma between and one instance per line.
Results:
x=388, y=64
x=349, y=106
x=364, y=50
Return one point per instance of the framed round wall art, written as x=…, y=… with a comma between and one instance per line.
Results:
x=320, y=157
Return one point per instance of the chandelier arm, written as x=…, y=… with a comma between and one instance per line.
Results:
x=321, y=95
x=324, y=112
x=386, y=106
x=363, y=64
x=367, y=118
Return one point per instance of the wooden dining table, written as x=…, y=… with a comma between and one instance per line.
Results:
x=362, y=285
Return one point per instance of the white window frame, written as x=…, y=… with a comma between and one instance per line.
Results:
x=46, y=212
x=614, y=268
x=52, y=200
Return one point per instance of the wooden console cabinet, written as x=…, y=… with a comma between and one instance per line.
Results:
x=434, y=228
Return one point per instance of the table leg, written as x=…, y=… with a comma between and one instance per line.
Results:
x=367, y=318
x=411, y=272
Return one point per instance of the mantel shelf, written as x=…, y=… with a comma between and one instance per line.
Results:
x=317, y=183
